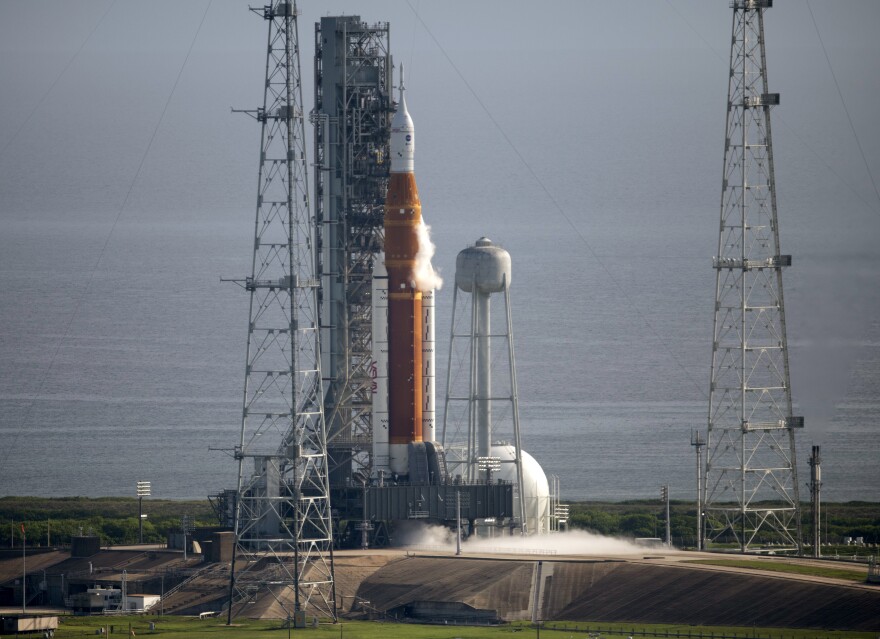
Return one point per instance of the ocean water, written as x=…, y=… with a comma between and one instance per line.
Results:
x=122, y=352
x=135, y=370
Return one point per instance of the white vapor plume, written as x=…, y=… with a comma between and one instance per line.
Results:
x=416, y=533
x=424, y=275
x=574, y=542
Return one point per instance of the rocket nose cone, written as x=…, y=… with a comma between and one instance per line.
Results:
x=402, y=137
x=402, y=120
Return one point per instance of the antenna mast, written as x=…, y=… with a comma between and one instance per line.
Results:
x=751, y=475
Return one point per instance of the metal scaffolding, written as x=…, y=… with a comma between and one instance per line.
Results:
x=283, y=526
x=353, y=107
x=751, y=488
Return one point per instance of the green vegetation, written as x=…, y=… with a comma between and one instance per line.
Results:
x=646, y=518
x=607, y=630
x=180, y=627
x=857, y=573
x=113, y=519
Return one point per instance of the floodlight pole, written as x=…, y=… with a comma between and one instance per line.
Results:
x=143, y=490
x=668, y=523
x=815, y=488
x=698, y=442
x=458, y=522
x=664, y=495
x=23, y=569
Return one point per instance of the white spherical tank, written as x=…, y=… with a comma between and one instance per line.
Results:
x=536, y=488
x=485, y=265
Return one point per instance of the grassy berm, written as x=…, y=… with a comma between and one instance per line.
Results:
x=179, y=628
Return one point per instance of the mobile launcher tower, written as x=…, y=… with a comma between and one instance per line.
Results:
x=377, y=344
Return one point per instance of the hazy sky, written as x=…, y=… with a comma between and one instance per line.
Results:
x=77, y=76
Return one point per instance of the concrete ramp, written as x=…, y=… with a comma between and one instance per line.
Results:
x=619, y=590
x=672, y=594
x=483, y=584
x=569, y=581
x=350, y=572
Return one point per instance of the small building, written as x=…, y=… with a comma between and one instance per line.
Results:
x=96, y=600
x=140, y=603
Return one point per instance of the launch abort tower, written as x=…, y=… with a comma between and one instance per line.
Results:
x=751, y=488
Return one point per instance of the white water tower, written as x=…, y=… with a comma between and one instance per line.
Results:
x=474, y=450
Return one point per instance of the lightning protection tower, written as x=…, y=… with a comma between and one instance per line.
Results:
x=283, y=531
x=751, y=476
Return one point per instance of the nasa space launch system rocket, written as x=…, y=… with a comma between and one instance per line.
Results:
x=403, y=340
x=403, y=214
x=409, y=367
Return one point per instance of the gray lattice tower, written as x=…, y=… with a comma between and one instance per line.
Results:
x=751, y=476
x=283, y=520
x=352, y=115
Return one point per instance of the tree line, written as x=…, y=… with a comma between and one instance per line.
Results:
x=53, y=521
x=647, y=518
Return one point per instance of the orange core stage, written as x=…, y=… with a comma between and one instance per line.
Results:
x=403, y=214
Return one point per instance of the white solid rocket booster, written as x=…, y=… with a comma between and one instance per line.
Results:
x=379, y=368
x=428, y=372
